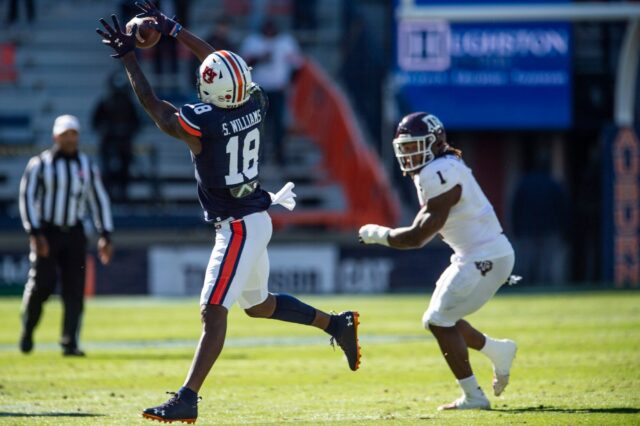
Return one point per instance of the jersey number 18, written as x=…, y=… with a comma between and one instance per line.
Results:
x=250, y=148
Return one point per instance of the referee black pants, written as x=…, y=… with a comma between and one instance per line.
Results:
x=66, y=260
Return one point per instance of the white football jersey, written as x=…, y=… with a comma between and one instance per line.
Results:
x=472, y=229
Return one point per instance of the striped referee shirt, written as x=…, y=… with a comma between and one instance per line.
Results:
x=54, y=190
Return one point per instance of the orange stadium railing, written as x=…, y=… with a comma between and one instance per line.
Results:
x=322, y=113
x=8, y=70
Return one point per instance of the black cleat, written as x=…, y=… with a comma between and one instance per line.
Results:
x=174, y=410
x=347, y=337
x=73, y=352
x=26, y=342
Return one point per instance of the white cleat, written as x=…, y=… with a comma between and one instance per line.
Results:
x=479, y=402
x=502, y=366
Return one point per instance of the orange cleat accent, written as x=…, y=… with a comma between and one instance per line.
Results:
x=161, y=420
x=356, y=316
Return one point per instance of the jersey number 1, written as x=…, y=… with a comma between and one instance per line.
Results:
x=250, y=149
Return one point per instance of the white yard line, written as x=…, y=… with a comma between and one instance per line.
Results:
x=237, y=342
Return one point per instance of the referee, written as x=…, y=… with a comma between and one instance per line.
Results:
x=54, y=191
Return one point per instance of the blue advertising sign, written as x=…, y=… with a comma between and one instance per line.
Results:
x=486, y=76
x=476, y=2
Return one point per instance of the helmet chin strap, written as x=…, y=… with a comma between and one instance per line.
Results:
x=198, y=85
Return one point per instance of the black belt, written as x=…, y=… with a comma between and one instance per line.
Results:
x=63, y=228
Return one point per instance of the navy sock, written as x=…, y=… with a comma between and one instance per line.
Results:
x=332, y=328
x=189, y=396
x=290, y=309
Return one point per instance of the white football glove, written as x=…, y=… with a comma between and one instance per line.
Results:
x=374, y=234
x=285, y=197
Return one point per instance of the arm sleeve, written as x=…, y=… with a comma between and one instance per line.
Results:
x=189, y=121
x=294, y=56
x=438, y=179
x=99, y=202
x=27, y=203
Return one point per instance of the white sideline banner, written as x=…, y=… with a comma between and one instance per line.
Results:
x=304, y=268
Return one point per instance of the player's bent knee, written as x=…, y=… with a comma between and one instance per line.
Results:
x=213, y=315
x=434, y=318
x=257, y=311
x=263, y=309
x=253, y=313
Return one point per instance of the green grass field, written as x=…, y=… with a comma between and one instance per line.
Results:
x=578, y=363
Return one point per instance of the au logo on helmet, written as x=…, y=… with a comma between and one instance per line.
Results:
x=208, y=75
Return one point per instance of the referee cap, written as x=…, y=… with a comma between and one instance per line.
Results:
x=64, y=123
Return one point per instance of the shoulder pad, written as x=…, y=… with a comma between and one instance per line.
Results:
x=438, y=177
x=190, y=117
x=259, y=93
x=255, y=88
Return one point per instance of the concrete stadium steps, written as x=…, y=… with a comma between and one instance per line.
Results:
x=20, y=100
x=76, y=63
x=15, y=135
x=62, y=61
x=86, y=57
x=57, y=82
x=309, y=197
x=11, y=169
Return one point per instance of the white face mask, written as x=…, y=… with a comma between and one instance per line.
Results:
x=413, y=152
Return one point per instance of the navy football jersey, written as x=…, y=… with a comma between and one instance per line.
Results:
x=230, y=157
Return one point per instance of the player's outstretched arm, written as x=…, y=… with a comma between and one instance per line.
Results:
x=429, y=220
x=161, y=112
x=170, y=27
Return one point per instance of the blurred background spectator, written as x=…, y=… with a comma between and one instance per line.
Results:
x=365, y=62
x=116, y=121
x=274, y=56
x=304, y=15
x=540, y=222
x=219, y=36
x=14, y=6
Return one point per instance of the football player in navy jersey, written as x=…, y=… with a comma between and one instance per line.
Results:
x=223, y=132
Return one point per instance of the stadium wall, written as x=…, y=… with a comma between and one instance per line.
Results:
x=178, y=270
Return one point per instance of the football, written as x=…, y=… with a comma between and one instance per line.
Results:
x=146, y=36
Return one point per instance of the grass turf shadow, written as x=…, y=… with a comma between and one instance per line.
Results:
x=551, y=409
x=51, y=414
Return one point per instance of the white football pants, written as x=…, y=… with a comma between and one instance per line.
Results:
x=464, y=287
x=238, y=268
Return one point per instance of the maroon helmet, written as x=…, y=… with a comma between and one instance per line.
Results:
x=414, y=139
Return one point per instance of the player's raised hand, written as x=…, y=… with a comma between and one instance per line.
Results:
x=116, y=38
x=164, y=25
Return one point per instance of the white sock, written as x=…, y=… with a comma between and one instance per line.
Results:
x=491, y=348
x=470, y=386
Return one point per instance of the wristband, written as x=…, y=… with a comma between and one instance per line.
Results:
x=175, y=30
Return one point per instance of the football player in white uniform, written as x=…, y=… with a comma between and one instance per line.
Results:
x=453, y=205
